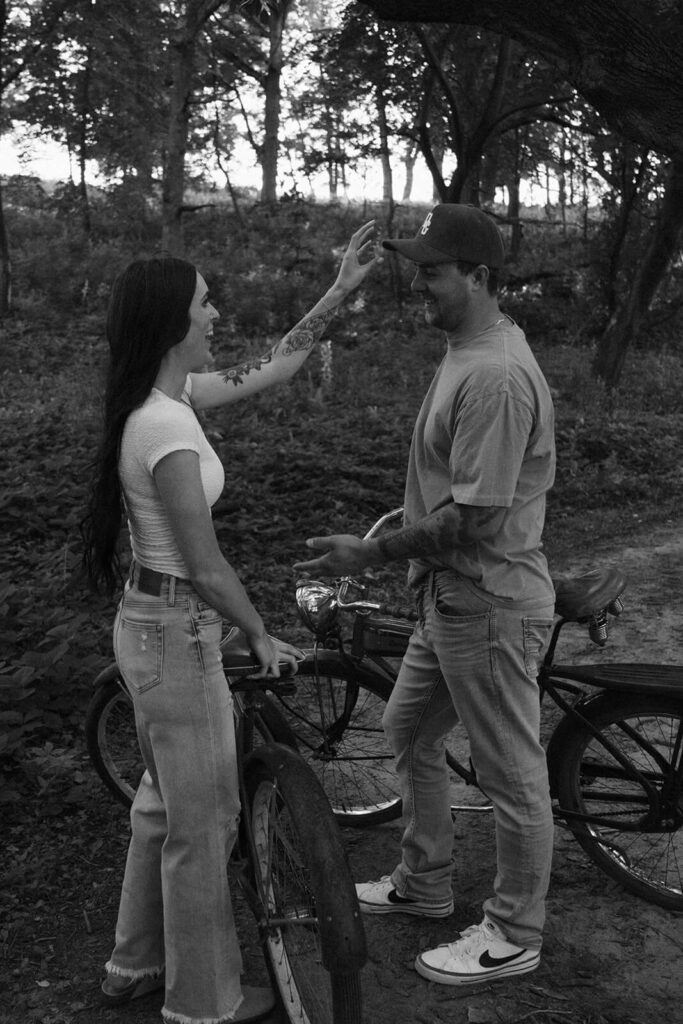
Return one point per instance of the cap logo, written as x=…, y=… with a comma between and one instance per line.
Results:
x=425, y=227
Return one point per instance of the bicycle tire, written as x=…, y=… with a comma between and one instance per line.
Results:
x=354, y=766
x=307, y=909
x=112, y=742
x=111, y=739
x=646, y=854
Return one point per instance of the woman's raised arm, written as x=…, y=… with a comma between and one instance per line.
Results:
x=219, y=387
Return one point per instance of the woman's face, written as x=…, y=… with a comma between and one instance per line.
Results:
x=196, y=344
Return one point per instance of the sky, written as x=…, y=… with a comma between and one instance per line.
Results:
x=50, y=162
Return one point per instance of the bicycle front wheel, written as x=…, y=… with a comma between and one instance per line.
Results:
x=336, y=715
x=309, y=919
x=635, y=808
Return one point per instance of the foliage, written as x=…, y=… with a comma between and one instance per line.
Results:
x=326, y=452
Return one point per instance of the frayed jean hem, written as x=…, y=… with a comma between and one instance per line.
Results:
x=180, y=1018
x=134, y=975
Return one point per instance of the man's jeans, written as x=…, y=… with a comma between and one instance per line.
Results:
x=175, y=909
x=470, y=659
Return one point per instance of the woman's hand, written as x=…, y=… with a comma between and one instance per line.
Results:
x=275, y=656
x=358, y=259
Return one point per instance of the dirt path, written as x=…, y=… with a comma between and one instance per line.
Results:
x=608, y=956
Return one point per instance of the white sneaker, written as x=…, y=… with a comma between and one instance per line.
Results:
x=482, y=953
x=381, y=898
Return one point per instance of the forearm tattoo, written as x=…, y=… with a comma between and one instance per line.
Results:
x=300, y=339
x=304, y=336
x=236, y=374
x=455, y=527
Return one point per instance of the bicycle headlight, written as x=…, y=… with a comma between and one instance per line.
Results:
x=317, y=604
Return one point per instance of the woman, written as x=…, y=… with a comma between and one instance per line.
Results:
x=175, y=926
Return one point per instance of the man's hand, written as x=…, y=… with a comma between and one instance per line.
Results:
x=343, y=555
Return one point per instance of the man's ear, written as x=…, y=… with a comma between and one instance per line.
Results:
x=481, y=275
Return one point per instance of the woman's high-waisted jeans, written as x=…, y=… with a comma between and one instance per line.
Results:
x=470, y=659
x=175, y=910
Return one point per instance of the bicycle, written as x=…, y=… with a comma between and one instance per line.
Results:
x=615, y=756
x=289, y=861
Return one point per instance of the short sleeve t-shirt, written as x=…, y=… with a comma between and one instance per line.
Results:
x=485, y=437
x=159, y=426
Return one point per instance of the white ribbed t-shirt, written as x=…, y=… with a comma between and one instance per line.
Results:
x=158, y=427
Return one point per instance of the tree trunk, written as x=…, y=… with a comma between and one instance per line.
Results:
x=83, y=143
x=173, y=188
x=662, y=246
x=409, y=161
x=513, y=216
x=514, y=205
x=5, y=265
x=384, y=150
x=273, y=97
x=183, y=45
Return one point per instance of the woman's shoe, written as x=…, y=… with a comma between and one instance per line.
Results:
x=258, y=1003
x=117, y=990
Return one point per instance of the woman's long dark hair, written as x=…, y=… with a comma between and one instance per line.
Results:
x=148, y=314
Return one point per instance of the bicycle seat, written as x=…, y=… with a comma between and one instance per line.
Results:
x=580, y=597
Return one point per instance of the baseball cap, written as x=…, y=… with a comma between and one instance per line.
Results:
x=453, y=231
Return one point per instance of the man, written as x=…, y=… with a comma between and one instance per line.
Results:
x=482, y=459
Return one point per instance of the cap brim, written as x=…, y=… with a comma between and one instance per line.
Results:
x=415, y=249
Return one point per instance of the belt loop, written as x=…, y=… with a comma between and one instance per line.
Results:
x=171, y=591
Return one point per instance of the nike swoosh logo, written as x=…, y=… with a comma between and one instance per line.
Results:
x=486, y=960
x=394, y=897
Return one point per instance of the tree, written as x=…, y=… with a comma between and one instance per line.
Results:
x=624, y=56
x=26, y=29
x=248, y=41
x=488, y=86
x=368, y=62
x=183, y=45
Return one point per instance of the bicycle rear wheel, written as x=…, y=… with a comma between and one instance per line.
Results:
x=336, y=715
x=636, y=834
x=112, y=741
x=308, y=914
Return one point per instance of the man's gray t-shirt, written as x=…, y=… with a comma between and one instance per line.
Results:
x=485, y=437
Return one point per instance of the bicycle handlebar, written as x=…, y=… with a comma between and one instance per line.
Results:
x=387, y=517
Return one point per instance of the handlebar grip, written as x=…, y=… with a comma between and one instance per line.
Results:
x=398, y=612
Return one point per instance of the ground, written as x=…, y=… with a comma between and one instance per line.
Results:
x=609, y=958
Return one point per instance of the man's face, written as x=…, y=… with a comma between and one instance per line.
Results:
x=446, y=294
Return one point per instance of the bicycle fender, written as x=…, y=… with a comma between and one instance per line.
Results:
x=111, y=672
x=563, y=731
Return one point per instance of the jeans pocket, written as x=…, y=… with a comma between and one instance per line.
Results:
x=203, y=613
x=140, y=653
x=455, y=599
x=535, y=634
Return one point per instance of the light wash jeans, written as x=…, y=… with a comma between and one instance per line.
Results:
x=175, y=911
x=470, y=659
